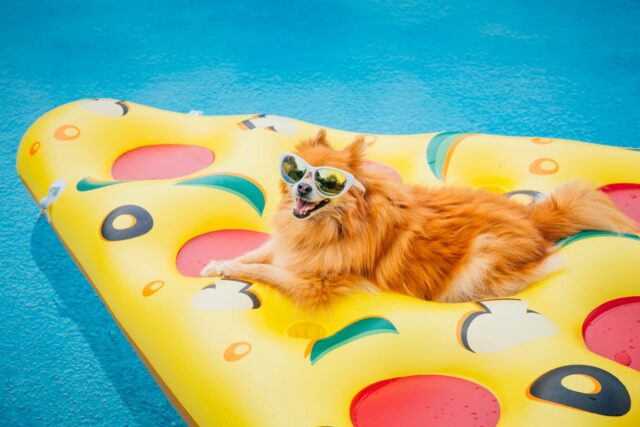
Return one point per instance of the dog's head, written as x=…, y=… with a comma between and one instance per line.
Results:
x=305, y=197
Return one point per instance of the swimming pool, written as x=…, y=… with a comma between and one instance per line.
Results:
x=560, y=70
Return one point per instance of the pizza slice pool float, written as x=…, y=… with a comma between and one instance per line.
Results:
x=143, y=198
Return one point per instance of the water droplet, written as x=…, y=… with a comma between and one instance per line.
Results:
x=623, y=358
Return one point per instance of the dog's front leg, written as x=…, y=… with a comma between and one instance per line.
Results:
x=307, y=291
x=265, y=273
x=261, y=255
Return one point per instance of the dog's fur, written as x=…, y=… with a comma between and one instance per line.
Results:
x=443, y=244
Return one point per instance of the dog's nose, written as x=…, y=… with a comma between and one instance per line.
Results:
x=304, y=188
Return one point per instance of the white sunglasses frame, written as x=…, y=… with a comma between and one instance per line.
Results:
x=351, y=180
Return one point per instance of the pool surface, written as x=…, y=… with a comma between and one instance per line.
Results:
x=552, y=69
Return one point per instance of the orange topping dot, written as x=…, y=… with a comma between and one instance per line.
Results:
x=34, y=148
x=152, y=287
x=544, y=166
x=237, y=351
x=66, y=133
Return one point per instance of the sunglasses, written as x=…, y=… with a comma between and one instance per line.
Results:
x=330, y=182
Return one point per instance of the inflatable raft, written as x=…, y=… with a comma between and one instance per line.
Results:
x=143, y=198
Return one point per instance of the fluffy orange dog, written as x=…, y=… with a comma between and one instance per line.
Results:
x=342, y=227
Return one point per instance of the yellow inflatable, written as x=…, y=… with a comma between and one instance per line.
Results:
x=143, y=198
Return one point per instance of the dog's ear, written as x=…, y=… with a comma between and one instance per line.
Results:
x=356, y=149
x=319, y=139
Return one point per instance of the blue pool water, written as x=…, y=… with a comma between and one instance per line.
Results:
x=567, y=69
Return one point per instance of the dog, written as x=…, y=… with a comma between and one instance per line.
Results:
x=343, y=227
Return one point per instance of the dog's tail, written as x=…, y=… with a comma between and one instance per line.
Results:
x=575, y=207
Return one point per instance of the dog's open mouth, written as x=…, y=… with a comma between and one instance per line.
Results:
x=303, y=208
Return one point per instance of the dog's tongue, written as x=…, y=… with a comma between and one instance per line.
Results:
x=303, y=206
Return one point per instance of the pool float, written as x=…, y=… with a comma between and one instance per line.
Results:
x=143, y=198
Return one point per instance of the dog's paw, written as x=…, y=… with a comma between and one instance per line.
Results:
x=229, y=268
x=211, y=269
x=221, y=268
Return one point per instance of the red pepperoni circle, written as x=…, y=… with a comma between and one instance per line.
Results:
x=161, y=162
x=425, y=400
x=612, y=330
x=626, y=197
x=218, y=245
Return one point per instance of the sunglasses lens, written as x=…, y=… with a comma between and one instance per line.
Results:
x=330, y=182
x=292, y=169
